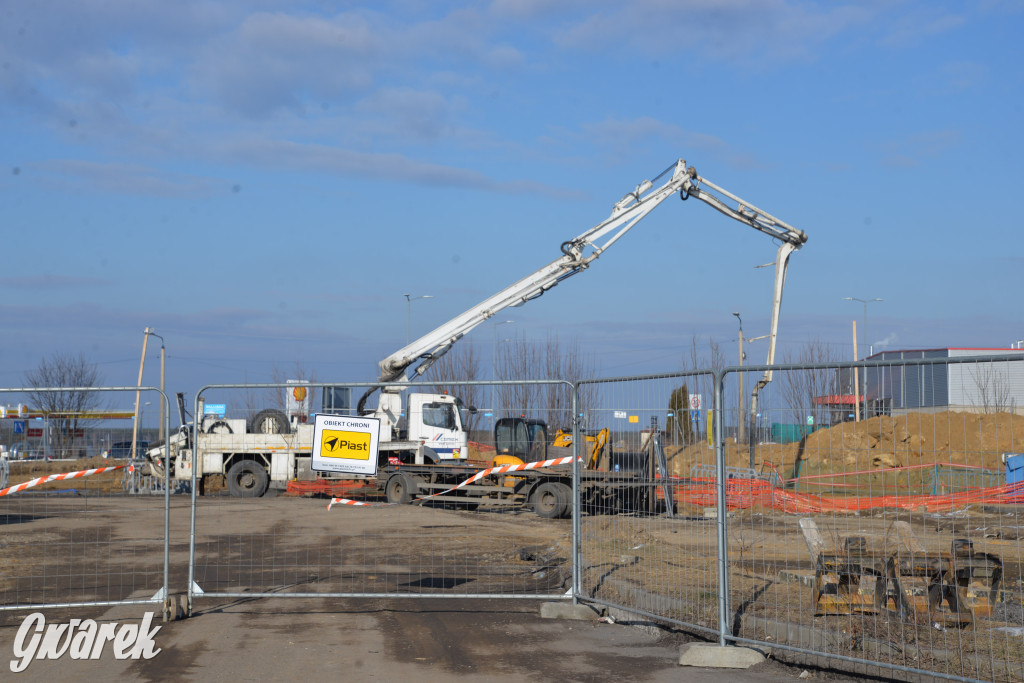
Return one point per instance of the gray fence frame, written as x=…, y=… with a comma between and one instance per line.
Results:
x=725, y=615
x=162, y=596
x=194, y=590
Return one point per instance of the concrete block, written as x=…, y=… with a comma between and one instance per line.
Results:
x=567, y=610
x=718, y=657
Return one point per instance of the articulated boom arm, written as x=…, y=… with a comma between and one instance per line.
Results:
x=579, y=252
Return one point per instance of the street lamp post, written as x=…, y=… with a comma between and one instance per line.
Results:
x=740, y=428
x=408, y=313
x=864, y=331
x=856, y=377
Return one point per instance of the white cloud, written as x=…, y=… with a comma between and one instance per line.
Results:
x=745, y=31
x=912, y=150
x=126, y=179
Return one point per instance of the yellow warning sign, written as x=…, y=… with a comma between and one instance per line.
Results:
x=348, y=445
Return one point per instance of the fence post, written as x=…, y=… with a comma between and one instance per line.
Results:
x=577, y=581
x=721, y=512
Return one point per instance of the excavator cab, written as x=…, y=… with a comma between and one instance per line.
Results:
x=518, y=440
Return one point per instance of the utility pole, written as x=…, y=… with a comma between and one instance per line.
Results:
x=856, y=379
x=135, y=421
x=163, y=406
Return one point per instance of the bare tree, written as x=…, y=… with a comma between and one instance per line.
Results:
x=800, y=388
x=63, y=408
x=460, y=364
x=524, y=361
x=519, y=361
x=707, y=361
x=992, y=385
x=298, y=374
x=571, y=364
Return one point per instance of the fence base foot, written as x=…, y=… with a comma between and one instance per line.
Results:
x=567, y=610
x=176, y=608
x=718, y=657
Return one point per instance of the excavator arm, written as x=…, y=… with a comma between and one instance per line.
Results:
x=577, y=255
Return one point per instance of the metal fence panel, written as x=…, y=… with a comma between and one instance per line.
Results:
x=856, y=554
x=71, y=537
x=648, y=529
x=339, y=536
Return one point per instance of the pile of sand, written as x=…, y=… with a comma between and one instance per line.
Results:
x=880, y=442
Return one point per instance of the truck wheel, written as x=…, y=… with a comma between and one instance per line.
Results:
x=399, y=489
x=567, y=497
x=269, y=421
x=549, y=500
x=247, y=479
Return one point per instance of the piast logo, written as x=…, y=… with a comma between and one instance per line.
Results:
x=343, y=444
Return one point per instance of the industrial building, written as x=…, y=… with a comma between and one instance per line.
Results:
x=901, y=384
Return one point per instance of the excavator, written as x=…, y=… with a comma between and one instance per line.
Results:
x=596, y=444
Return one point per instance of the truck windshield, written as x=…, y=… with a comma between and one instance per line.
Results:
x=463, y=413
x=439, y=415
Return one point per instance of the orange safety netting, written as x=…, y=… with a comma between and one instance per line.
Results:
x=340, y=487
x=746, y=493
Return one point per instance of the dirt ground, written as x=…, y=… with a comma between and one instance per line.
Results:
x=102, y=547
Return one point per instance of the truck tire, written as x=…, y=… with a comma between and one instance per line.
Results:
x=567, y=496
x=218, y=427
x=247, y=479
x=549, y=500
x=399, y=489
x=269, y=421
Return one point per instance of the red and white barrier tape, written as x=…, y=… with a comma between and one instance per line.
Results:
x=499, y=469
x=59, y=477
x=503, y=469
x=345, y=501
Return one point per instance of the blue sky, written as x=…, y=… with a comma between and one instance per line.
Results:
x=260, y=182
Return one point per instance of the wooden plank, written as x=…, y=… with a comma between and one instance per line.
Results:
x=907, y=538
x=815, y=543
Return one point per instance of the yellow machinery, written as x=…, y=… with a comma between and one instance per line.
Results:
x=596, y=442
x=951, y=588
